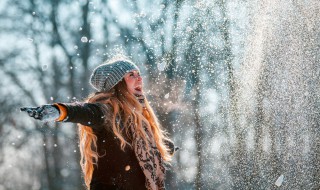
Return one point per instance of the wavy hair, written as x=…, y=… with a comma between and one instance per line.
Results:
x=126, y=108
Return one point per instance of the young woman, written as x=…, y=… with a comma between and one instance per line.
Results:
x=121, y=142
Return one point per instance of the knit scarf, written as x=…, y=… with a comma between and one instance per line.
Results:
x=150, y=160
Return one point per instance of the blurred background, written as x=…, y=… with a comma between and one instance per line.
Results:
x=234, y=82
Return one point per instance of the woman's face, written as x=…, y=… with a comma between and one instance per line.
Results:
x=134, y=82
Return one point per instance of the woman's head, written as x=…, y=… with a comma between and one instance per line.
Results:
x=134, y=82
x=109, y=74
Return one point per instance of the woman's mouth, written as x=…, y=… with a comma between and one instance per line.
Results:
x=138, y=88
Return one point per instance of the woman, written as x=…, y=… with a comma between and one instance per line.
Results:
x=121, y=142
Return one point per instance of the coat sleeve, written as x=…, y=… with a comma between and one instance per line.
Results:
x=89, y=114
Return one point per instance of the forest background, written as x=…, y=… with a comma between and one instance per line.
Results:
x=234, y=82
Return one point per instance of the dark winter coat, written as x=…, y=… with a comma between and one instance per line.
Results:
x=116, y=169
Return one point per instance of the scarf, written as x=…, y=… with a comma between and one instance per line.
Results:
x=150, y=160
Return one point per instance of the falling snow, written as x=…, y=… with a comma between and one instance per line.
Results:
x=84, y=39
x=235, y=84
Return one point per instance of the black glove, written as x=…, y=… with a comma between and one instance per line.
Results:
x=43, y=113
x=170, y=145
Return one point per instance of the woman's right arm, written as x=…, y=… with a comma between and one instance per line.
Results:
x=89, y=114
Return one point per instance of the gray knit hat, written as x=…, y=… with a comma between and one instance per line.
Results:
x=107, y=75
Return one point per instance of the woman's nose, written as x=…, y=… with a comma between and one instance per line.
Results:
x=139, y=78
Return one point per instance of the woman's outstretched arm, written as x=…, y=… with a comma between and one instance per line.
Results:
x=89, y=114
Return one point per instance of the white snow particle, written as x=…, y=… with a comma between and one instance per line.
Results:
x=279, y=181
x=84, y=39
x=161, y=66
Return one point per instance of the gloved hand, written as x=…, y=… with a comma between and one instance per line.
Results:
x=43, y=113
x=141, y=99
x=170, y=145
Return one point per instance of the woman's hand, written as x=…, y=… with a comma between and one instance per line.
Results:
x=43, y=113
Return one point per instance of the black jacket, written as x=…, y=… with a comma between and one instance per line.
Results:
x=116, y=169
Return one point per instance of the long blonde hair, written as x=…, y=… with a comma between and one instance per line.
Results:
x=129, y=111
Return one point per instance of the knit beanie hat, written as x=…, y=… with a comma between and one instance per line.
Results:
x=106, y=76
